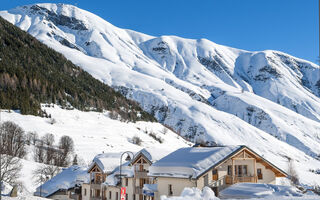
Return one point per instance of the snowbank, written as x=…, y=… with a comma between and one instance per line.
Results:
x=248, y=191
x=268, y=191
x=194, y=194
x=24, y=198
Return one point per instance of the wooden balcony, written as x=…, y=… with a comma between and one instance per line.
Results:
x=138, y=190
x=240, y=179
x=140, y=174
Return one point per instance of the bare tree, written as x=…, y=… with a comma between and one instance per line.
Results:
x=48, y=140
x=10, y=169
x=44, y=173
x=66, y=147
x=39, y=153
x=32, y=138
x=13, y=139
x=12, y=146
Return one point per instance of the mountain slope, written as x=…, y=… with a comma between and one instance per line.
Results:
x=267, y=100
x=31, y=73
x=92, y=133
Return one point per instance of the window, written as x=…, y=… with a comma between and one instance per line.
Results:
x=126, y=181
x=170, y=192
x=90, y=193
x=126, y=196
x=239, y=170
x=215, y=174
x=245, y=170
x=117, y=197
x=134, y=197
x=229, y=170
x=110, y=194
x=85, y=192
x=259, y=172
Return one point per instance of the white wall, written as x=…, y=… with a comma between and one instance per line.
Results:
x=87, y=187
x=60, y=196
x=178, y=184
x=267, y=175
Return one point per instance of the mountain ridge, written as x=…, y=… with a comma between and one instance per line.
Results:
x=184, y=82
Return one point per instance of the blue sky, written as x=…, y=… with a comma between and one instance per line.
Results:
x=290, y=26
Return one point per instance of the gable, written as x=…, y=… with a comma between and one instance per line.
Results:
x=248, y=154
x=141, y=159
x=268, y=165
x=94, y=168
x=245, y=153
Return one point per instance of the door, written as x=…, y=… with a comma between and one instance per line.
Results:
x=259, y=173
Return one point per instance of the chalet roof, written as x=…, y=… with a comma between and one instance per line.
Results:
x=65, y=180
x=106, y=162
x=151, y=154
x=190, y=162
x=193, y=162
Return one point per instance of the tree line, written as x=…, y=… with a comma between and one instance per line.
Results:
x=32, y=73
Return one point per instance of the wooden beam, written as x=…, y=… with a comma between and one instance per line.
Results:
x=243, y=158
x=255, y=170
x=232, y=171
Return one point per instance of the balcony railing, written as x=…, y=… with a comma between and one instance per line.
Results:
x=241, y=179
x=141, y=174
x=138, y=190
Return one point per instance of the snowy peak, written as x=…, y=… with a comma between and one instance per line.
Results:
x=62, y=15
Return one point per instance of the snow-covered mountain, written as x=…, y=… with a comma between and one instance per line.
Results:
x=267, y=100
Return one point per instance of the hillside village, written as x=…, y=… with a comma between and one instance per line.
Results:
x=147, y=175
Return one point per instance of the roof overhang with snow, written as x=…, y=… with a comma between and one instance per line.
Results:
x=194, y=162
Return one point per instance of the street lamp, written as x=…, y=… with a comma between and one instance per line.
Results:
x=127, y=159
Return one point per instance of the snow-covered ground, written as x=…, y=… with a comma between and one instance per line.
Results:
x=27, y=197
x=92, y=133
x=246, y=191
x=266, y=100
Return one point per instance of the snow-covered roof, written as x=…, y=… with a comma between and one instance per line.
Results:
x=191, y=162
x=113, y=178
x=107, y=162
x=67, y=179
x=6, y=189
x=152, y=154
